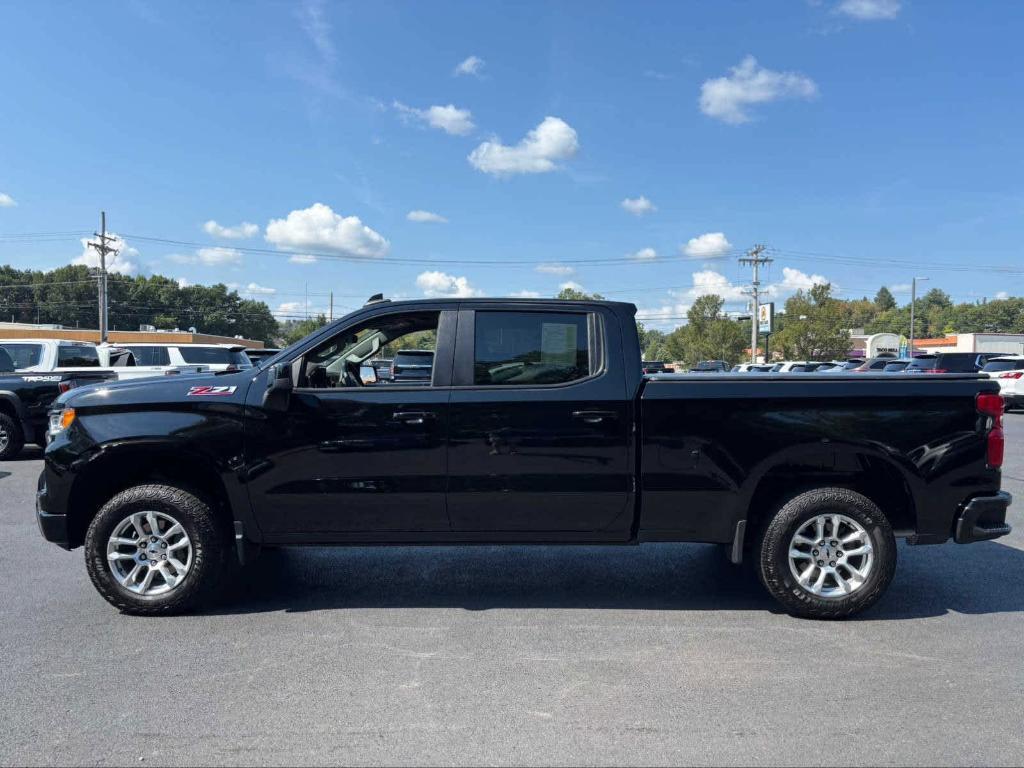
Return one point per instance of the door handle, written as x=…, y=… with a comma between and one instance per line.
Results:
x=412, y=417
x=594, y=417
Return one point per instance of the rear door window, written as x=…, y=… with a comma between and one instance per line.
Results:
x=77, y=356
x=530, y=348
x=1003, y=365
x=151, y=355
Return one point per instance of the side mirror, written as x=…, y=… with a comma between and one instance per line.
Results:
x=279, y=387
x=368, y=374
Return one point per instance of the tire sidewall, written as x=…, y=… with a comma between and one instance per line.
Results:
x=189, y=511
x=15, y=438
x=775, y=568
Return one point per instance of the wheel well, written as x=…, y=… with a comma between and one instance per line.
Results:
x=7, y=407
x=869, y=476
x=108, y=477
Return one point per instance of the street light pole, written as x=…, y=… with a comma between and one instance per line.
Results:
x=913, y=300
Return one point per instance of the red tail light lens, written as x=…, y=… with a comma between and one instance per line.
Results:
x=991, y=405
x=1010, y=375
x=936, y=370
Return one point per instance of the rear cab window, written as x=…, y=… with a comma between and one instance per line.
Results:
x=214, y=356
x=77, y=356
x=24, y=355
x=531, y=348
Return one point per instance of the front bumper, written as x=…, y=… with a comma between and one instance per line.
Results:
x=983, y=518
x=54, y=527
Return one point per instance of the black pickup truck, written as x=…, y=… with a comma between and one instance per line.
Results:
x=537, y=426
x=25, y=400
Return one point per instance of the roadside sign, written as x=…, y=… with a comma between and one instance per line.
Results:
x=766, y=317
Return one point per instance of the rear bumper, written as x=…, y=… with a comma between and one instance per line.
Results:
x=983, y=518
x=53, y=526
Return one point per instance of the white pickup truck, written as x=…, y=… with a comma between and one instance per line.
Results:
x=61, y=355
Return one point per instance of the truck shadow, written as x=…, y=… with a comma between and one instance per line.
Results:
x=930, y=581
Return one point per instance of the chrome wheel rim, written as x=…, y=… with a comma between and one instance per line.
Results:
x=5, y=439
x=149, y=553
x=831, y=556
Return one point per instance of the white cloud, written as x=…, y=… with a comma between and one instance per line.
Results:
x=869, y=10
x=469, y=66
x=426, y=216
x=1002, y=295
x=183, y=282
x=449, y=119
x=525, y=295
x=291, y=308
x=210, y=257
x=572, y=285
x=727, y=98
x=315, y=25
x=638, y=206
x=665, y=317
x=123, y=262
x=320, y=227
x=539, y=152
x=239, y=232
x=260, y=289
x=302, y=258
x=900, y=288
x=708, y=281
x=554, y=269
x=794, y=280
x=443, y=285
x=644, y=254
x=6, y=201
x=710, y=245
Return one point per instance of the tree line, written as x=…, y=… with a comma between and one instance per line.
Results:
x=68, y=296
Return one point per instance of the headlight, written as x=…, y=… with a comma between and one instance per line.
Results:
x=59, y=421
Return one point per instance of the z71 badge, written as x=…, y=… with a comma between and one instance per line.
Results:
x=215, y=391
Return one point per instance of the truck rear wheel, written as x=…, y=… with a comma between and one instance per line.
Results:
x=155, y=550
x=827, y=554
x=12, y=439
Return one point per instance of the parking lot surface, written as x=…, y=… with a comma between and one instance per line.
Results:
x=496, y=655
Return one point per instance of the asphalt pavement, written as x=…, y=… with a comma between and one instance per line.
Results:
x=507, y=655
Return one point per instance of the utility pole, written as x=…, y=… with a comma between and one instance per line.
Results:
x=755, y=259
x=103, y=249
x=913, y=301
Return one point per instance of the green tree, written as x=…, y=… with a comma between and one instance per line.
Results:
x=572, y=294
x=652, y=343
x=707, y=335
x=884, y=300
x=814, y=328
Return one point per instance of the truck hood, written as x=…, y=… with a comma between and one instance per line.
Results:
x=179, y=389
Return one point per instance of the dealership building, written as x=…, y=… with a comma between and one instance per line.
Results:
x=148, y=336
x=881, y=344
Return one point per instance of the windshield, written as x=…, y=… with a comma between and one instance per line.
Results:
x=921, y=363
x=24, y=355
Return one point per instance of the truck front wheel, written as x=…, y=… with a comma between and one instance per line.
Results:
x=827, y=554
x=155, y=549
x=11, y=437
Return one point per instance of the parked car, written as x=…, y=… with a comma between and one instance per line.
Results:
x=845, y=366
x=896, y=366
x=710, y=366
x=874, y=364
x=25, y=400
x=257, y=355
x=44, y=355
x=1008, y=372
x=412, y=366
x=751, y=368
x=950, y=362
x=122, y=362
x=215, y=357
x=537, y=426
x=656, y=366
x=382, y=369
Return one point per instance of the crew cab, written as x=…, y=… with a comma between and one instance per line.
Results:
x=65, y=356
x=536, y=426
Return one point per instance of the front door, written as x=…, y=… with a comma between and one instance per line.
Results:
x=353, y=457
x=540, y=428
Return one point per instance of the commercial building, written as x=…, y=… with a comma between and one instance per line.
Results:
x=1006, y=343
x=32, y=331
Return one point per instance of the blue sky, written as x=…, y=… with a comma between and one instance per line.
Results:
x=633, y=149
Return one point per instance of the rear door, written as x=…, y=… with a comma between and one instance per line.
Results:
x=540, y=425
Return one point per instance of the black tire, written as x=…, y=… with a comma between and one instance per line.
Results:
x=15, y=437
x=209, y=550
x=773, y=553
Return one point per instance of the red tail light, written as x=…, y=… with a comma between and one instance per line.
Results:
x=1010, y=375
x=991, y=405
x=936, y=370
x=64, y=386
